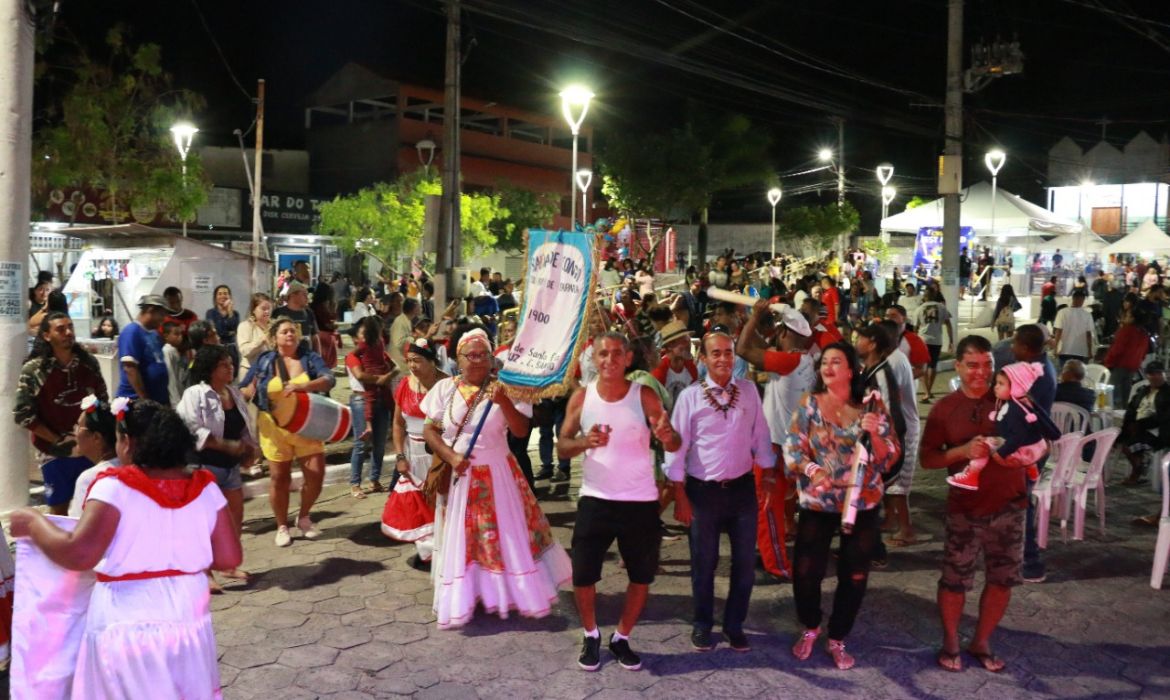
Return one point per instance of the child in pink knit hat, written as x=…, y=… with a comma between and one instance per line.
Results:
x=1022, y=428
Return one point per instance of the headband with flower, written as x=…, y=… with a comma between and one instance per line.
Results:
x=90, y=404
x=119, y=406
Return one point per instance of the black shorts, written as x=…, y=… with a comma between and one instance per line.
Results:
x=934, y=351
x=634, y=524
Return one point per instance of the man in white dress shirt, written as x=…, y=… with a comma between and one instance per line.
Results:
x=720, y=421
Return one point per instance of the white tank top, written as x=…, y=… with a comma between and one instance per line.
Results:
x=623, y=470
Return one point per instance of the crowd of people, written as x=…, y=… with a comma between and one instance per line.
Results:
x=752, y=422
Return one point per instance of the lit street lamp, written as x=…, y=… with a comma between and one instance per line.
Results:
x=574, y=97
x=774, y=199
x=994, y=160
x=426, y=152
x=885, y=173
x=183, y=133
x=584, y=177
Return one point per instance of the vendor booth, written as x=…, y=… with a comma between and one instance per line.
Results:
x=1147, y=241
x=119, y=264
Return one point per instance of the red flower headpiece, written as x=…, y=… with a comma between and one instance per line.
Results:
x=119, y=407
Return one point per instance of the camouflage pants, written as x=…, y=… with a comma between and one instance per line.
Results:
x=1000, y=537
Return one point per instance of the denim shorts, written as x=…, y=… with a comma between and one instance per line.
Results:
x=226, y=479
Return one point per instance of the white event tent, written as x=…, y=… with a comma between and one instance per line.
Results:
x=1145, y=239
x=1014, y=216
x=1085, y=242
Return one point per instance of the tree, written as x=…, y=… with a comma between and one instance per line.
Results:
x=386, y=219
x=525, y=210
x=818, y=226
x=670, y=175
x=110, y=132
x=915, y=202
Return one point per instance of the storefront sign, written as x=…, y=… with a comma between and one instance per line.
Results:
x=558, y=288
x=285, y=212
x=13, y=291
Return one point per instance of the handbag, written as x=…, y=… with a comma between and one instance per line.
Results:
x=438, y=481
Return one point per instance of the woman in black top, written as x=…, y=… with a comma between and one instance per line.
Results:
x=225, y=439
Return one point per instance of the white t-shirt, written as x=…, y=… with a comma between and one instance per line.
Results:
x=782, y=396
x=929, y=319
x=1073, y=322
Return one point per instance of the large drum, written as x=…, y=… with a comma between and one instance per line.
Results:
x=313, y=416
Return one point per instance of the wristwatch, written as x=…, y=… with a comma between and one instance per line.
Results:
x=400, y=456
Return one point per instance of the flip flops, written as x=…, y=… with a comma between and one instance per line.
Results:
x=989, y=661
x=947, y=661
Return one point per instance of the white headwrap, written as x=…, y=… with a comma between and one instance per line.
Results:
x=475, y=335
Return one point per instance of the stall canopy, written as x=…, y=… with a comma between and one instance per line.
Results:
x=1014, y=216
x=1146, y=238
x=1085, y=242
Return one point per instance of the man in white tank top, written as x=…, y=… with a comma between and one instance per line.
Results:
x=611, y=421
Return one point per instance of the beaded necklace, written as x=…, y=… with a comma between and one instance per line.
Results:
x=732, y=393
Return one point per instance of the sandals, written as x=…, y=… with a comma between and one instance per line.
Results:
x=804, y=646
x=1147, y=520
x=989, y=660
x=356, y=492
x=948, y=661
x=237, y=575
x=842, y=659
x=377, y=487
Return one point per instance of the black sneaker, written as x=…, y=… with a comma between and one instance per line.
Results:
x=701, y=639
x=560, y=475
x=626, y=657
x=544, y=473
x=738, y=641
x=590, y=658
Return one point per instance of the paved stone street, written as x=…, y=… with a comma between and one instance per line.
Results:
x=346, y=617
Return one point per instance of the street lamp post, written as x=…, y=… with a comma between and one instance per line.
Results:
x=888, y=194
x=584, y=178
x=183, y=134
x=774, y=195
x=885, y=173
x=994, y=160
x=574, y=97
x=426, y=152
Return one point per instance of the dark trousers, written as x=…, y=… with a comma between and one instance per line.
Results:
x=717, y=509
x=519, y=449
x=1033, y=566
x=814, y=537
x=550, y=427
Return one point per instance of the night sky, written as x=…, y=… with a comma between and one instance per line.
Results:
x=789, y=65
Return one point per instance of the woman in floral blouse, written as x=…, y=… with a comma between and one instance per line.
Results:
x=819, y=455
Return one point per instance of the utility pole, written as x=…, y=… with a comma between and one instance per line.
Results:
x=841, y=177
x=448, y=245
x=951, y=172
x=257, y=283
x=16, y=106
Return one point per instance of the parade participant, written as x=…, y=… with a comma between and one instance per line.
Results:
x=278, y=374
x=610, y=422
x=253, y=331
x=175, y=311
x=363, y=304
x=888, y=371
x=52, y=385
x=722, y=433
x=827, y=430
x=791, y=373
x=148, y=630
x=496, y=547
x=97, y=441
x=909, y=342
x=296, y=307
x=677, y=370
x=140, y=353
x=407, y=517
x=371, y=404
x=989, y=521
x=225, y=437
x=726, y=315
x=226, y=320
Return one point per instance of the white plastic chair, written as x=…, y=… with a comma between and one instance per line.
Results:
x=1162, y=547
x=1053, y=483
x=1095, y=374
x=1091, y=479
x=1069, y=417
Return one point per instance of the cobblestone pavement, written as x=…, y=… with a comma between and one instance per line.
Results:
x=346, y=617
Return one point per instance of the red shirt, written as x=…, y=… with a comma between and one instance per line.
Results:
x=825, y=335
x=832, y=302
x=953, y=420
x=1130, y=347
x=663, y=367
x=781, y=362
x=918, y=353
x=184, y=318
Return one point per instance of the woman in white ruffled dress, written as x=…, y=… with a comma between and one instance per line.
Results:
x=496, y=547
x=149, y=532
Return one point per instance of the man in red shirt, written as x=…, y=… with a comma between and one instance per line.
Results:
x=987, y=522
x=909, y=342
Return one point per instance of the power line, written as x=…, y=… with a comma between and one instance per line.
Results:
x=219, y=50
